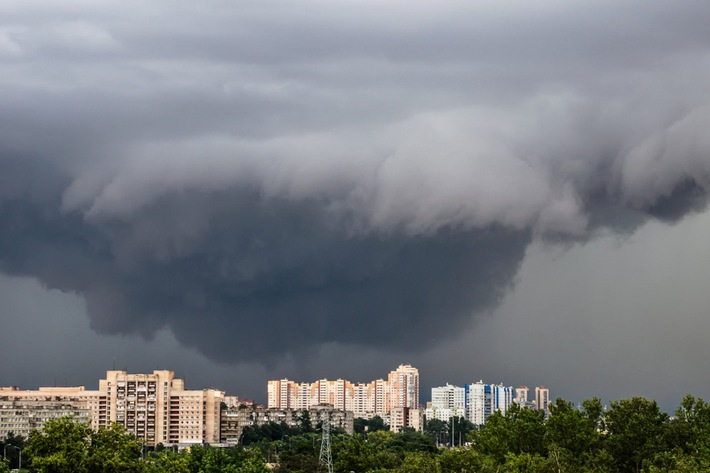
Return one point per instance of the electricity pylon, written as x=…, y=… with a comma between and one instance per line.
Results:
x=326, y=457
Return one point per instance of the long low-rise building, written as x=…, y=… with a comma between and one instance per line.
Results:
x=22, y=416
x=236, y=419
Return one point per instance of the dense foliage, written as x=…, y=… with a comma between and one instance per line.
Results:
x=633, y=435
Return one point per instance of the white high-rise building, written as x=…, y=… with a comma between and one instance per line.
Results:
x=476, y=403
x=482, y=400
x=503, y=398
x=446, y=402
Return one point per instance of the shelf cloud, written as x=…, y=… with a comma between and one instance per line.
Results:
x=265, y=180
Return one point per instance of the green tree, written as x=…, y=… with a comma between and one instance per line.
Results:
x=459, y=429
x=636, y=429
x=572, y=435
x=495, y=437
x=465, y=460
x=529, y=430
x=376, y=424
x=436, y=429
x=351, y=454
x=361, y=455
x=689, y=430
x=61, y=447
x=301, y=454
x=419, y=462
x=434, y=426
x=409, y=440
x=524, y=463
x=209, y=459
x=113, y=450
x=520, y=430
x=304, y=422
x=167, y=461
x=361, y=426
x=687, y=438
x=66, y=445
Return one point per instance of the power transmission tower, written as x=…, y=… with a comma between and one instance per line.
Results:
x=326, y=457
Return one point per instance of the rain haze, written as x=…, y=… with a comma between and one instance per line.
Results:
x=242, y=191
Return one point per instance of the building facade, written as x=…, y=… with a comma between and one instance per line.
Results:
x=476, y=403
x=446, y=402
x=542, y=399
x=154, y=407
x=22, y=416
x=235, y=420
x=482, y=400
x=366, y=400
x=521, y=395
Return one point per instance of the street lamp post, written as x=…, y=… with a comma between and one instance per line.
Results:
x=4, y=455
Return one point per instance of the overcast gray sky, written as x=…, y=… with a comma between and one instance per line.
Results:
x=241, y=191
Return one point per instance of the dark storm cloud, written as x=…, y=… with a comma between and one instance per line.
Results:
x=261, y=277
x=262, y=179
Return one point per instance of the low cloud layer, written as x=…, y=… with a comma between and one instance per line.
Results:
x=263, y=180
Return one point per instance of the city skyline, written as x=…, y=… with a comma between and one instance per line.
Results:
x=157, y=408
x=248, y=191
x=171, y=373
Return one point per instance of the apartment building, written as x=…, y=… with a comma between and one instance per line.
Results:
x=154, y=407
x=403, y=384
x=503, y=398
x=366, y=400
x=22, y=416
x=446, y=402
x=476, y=403
x=482, y=400
x=235, y=420
x=542, y=399
x=521, y=395
x=27, y=410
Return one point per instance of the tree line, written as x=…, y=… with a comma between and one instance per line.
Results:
x=633, y=435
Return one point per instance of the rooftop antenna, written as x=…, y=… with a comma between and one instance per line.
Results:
x=326, y=456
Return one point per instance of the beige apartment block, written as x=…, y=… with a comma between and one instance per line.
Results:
x=232, y=401
x=521, y=395
x=403, y=417
x=366, y=400
x=154, y=407
x=404, y=387
x=157, y=408
x=542, y=399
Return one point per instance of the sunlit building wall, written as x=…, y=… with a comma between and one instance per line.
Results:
x=366, y=400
